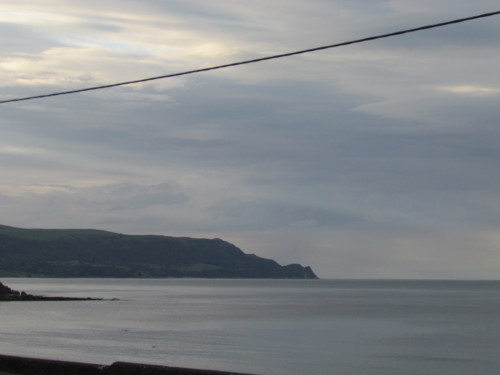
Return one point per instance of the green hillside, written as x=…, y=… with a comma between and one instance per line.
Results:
x=96, y=253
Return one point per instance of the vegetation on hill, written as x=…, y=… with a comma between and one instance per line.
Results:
x=96, y=253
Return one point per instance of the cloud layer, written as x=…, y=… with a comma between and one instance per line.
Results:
x=374, y=160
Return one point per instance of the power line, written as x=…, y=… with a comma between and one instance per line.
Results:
x=484, y=15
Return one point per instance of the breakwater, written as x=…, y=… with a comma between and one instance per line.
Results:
x=12, y=365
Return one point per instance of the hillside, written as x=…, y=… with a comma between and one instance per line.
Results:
x=96, y=253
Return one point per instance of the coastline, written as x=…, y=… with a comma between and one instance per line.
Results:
x=10, y=295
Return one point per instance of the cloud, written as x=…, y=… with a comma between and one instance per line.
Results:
x=470, y=90
x=58, y=204
x=374, y=160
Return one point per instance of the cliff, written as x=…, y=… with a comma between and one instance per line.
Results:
x=96, y=253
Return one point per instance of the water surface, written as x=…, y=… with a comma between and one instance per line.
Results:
x=273, y=327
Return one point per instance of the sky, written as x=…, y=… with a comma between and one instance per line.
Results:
x=376, y=160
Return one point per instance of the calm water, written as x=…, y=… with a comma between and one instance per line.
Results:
x=269, y=327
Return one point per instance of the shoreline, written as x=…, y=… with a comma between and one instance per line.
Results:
x=10, y=295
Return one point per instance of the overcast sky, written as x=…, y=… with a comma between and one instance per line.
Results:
x=378, y=160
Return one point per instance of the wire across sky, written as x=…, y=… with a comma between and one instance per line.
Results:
x=245, y=62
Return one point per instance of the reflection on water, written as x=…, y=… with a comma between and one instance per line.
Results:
x=273, y=327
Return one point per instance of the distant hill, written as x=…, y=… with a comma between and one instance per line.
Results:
x=97, y=253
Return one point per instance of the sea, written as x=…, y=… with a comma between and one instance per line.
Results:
x=268, y=327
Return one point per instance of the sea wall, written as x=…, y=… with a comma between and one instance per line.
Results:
x=11, y=365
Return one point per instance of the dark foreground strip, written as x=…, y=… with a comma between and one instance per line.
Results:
x=10, y=365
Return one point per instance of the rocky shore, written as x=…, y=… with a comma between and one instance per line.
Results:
x=8, y=294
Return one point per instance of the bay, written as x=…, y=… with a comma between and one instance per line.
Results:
x=268, y=327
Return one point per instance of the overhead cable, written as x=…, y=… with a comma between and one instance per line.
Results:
x=258, y=59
